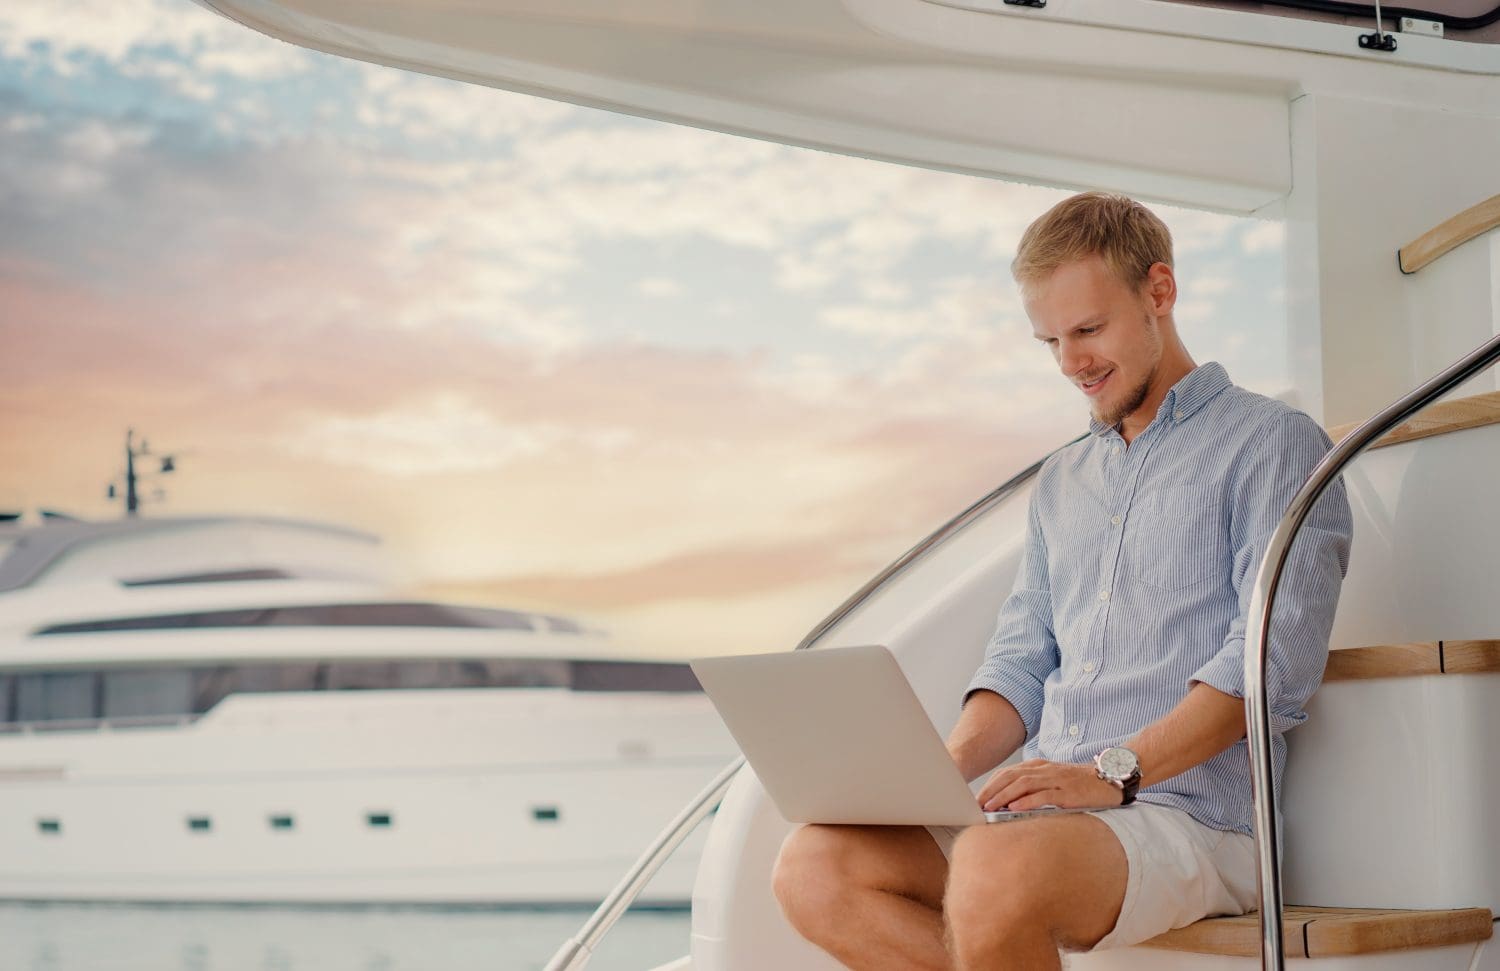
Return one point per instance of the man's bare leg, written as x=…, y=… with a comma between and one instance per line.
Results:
x=872, y=896
x=1019, y=892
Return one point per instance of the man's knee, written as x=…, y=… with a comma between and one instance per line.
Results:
x=812, y=875
x=1063, y=878
x=993, y=889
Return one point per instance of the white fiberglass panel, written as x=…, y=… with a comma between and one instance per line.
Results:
x=1426, y=542
x=1389, y=801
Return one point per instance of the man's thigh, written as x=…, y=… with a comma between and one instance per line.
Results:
x=1069, y=870
x=897, y=859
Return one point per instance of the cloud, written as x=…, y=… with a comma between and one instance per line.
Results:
x=64, y=36
x=1260, y=236
x=442, y=434
x=461, y=318
x=660, y=286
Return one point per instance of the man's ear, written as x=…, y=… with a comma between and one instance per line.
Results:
x=1160, y=289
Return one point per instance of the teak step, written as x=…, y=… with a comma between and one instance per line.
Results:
x=1316, y=932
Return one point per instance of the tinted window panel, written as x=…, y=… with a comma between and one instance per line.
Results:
x=7, y=698
x=135, y=694
x=525, y=673
x=226, y=576
x=424, y=675
x=213, y=685
x=633, y=676
x=54, y=697
x=362, y=676
x=313, y=615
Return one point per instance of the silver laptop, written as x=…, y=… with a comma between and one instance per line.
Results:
x=838, y=736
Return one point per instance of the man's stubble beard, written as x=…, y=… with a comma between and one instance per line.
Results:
x=1137, y=395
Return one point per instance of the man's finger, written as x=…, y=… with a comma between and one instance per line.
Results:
x=1026, y=783
x=1038, y=799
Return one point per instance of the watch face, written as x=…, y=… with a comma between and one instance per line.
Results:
x=1118, y=763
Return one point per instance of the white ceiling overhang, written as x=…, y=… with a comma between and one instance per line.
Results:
x=1178, y=119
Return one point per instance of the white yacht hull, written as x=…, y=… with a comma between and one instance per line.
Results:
x=461, y=775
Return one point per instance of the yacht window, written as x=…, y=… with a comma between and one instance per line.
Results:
x=516, y=673
x=224, y=576
x=378, y=820
x=311, y=615
x=49, y=827
x=61, y=696
x=420, y=675
x=544, y=814
x=136, y=694
x=200, y=824
x=633, y=676
x=282, y=822
x=155, y=692
x=213, y=685
x=362, y=675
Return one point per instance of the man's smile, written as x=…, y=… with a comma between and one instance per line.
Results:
x=1093, y=387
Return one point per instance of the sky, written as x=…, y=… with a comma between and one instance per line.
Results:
x=694, y=387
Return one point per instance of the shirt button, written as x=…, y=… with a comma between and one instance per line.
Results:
x=1103, y=594
x=1115, y=450
x=1177, y=416
x=1088, y=666
x=1114, y=520
x=1073, y=730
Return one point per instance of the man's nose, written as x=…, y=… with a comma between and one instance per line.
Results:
x=1071, y=359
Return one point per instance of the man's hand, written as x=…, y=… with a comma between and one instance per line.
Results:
x=1037, y=782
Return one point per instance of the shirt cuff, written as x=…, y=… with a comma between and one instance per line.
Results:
x=1023, y=693
x=1225, y=672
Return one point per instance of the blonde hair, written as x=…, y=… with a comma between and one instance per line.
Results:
x=1129, y=237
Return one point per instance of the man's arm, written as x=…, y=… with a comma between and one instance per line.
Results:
x=1203, y=724
x=1309, y=591
x=1003, y=702
x=988, y=731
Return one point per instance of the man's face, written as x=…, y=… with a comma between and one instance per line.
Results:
x=1100, y=333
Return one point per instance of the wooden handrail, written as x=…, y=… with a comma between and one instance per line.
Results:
x=1439, y=419
x=1472, y=222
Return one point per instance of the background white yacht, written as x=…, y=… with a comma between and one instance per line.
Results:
x=1364, y=135
x=242, y=709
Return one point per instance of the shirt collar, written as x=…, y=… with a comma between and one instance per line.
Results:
x=1196, y=389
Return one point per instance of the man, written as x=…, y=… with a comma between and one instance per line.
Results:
x=1123, y=639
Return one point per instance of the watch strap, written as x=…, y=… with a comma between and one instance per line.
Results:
x=1129, y=787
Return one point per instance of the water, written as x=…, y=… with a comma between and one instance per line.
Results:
x=73, y=937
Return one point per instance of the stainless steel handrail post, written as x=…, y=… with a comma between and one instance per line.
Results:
x=1257, y=630
x=576, y=952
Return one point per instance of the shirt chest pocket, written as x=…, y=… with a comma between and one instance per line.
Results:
x=1178, y=537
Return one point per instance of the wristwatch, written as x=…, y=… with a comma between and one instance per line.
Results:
x=1121, y=768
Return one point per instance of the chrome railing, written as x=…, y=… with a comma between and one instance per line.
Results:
x=1257, y=631
x=952, y=526
x=574, y=954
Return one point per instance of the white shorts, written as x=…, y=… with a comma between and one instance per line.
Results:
x=1180, y=871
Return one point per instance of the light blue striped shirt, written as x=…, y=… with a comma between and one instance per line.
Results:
x=1136, y=579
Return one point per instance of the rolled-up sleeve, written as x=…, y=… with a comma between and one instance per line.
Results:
x=1023, y=650
x=1307, y=597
